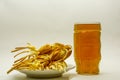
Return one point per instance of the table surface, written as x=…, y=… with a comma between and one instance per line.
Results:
x=71, y=75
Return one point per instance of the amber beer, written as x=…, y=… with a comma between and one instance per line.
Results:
x=87, y=48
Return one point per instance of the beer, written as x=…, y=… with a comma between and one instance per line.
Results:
x=87, y=48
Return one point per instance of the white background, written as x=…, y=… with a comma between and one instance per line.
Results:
x=48, y=21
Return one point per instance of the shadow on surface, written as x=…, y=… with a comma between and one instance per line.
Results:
x=23, y=77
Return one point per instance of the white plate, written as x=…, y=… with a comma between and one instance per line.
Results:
x=45, y=73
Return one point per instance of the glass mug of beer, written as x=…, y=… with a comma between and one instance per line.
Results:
x=87, y=48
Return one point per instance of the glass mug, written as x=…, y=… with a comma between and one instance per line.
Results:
x=87, y=47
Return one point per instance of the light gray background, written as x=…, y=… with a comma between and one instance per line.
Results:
x=48, y=21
